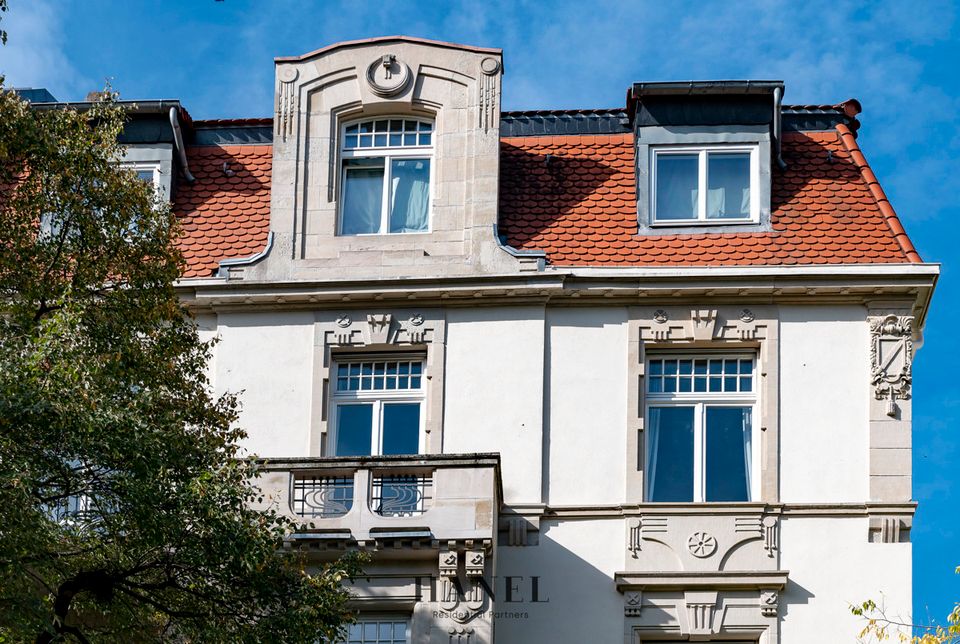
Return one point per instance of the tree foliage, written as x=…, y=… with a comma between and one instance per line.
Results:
x=879, y=627
x=124, y=503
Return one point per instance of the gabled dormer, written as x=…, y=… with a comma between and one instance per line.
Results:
x=385, y=163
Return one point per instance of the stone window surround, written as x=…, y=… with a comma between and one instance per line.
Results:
x=723, y=329
x=648, y=137
x=394, y=332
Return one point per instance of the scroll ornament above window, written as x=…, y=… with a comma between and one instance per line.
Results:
x=891, y=358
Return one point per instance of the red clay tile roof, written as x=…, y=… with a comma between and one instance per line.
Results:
x=826, y=207
x=224, y=214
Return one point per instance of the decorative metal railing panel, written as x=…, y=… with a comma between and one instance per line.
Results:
x=401, y=495
x=322, y=497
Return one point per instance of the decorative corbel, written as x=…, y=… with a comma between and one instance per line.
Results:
x=632, y=603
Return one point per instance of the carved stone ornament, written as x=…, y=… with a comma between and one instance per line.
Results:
x=448, y=563
x=343, y=321
x=746, y=315
x=416, y=319
x=460, y=604
x=388, y=76
x=701, y=617
x=701, y=545
x=769, y=603
x=379, y=328
x=460, y=635
x=660, y=316
x=286, y=101
x=475, y=561
x=891, y=358
x=632, y=603
x=489, y=66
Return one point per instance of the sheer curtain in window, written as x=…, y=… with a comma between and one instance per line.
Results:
x=362, y=197
x=411, y=195
x=748, y=450
x=653, y=444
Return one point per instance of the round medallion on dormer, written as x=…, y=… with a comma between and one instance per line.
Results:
x=388, y=76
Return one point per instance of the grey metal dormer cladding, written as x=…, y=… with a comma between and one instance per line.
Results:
x=705, y=113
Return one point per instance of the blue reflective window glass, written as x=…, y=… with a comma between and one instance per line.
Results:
x=401, y=428
x=354, y=427
x=670, y=454
x=728, y=453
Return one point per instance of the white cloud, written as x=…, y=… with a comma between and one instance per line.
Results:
x=34, y=54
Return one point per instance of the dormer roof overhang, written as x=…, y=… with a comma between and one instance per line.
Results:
x=716, y=102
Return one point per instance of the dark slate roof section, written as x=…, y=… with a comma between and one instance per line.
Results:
x=528, y=123
x=560, y=122
x=232, y=135
x=35, y=94
x=816, y=118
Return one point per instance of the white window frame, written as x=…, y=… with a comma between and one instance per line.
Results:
x=378, y=397
x=388, y=154
x=378, y=619
x=702, y=182
x=700, y=400
x=140, y=166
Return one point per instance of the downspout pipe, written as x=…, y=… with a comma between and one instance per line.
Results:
x=178, y=142
x=778, y=126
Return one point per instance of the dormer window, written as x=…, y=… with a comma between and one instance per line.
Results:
x=386, y=176
x=704, y=185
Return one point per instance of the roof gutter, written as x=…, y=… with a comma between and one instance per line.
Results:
x=224, y=270
x=178, y=143
x=539, y=255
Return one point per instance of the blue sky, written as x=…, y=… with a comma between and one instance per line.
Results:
x=898, y=59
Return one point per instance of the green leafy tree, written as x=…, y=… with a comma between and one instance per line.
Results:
x=124, y=501
x=880, y=627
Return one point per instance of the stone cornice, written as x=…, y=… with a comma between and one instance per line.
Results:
x=716, y=580
x=586, y=286
x=592, y=512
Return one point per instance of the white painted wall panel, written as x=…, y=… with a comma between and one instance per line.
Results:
x=831, y=566
x=586, y=433
x=824, y=397
x=494, y=392
x=575, y=563
x=268, y=356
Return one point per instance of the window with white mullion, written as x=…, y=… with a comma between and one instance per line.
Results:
x=704, y=185
x=700, y=439
x=377, y=407
x=386, y=176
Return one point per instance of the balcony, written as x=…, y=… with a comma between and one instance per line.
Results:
x=374, y=501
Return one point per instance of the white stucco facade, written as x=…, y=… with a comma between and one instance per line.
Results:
x=532, y=517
